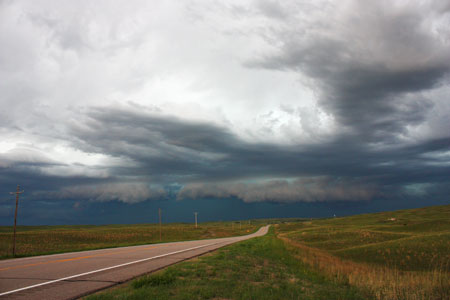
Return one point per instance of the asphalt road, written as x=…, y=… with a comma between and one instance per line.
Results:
x=72, y=275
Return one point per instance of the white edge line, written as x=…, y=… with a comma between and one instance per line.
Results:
x=104, y=269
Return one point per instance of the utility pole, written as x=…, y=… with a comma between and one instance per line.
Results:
x=195, y=219
x=160, y=234
x=240, y=224
x=17, y=192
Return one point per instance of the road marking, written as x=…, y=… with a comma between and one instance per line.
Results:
x=105, y=269
x=70, y=253
x=76, y=258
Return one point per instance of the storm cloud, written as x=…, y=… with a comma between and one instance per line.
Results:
x=371, y=64
x=123, y=192
x=299, y=190
x=260, y=101
x=163, y=150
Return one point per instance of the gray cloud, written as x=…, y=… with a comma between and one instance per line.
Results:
x=150, y=148
x=24, y=156
x=123, y=192
x=369, y=68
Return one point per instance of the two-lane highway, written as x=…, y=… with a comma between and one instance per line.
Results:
x=72, y=275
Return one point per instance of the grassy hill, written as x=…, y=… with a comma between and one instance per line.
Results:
x=409, y=240
x=402, y=254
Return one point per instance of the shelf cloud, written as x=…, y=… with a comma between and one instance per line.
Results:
x=283, y=191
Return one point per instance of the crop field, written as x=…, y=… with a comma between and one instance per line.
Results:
x=37, y=240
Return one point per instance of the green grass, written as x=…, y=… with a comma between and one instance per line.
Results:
x=260, y=268
x=37, y=240
x=418, y=253
x=403, y=219
x=331, y=239
x=408, y=240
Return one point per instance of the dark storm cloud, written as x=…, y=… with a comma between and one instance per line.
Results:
x=104, y=192
x=166, y=149
x=46, y=178
x=209, y=161
x=369, y=65
x=155, y=145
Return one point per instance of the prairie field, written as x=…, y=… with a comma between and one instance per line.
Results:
x=395, y=255
x=401, y=255
x=37, y=240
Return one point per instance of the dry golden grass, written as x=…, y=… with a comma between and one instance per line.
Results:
x=382, y=282
x=37, y=240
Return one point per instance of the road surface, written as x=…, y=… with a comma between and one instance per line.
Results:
x=72, y=275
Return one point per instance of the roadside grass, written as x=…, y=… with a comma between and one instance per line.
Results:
x=38, y=240
x=396, y=255
x=260, y=268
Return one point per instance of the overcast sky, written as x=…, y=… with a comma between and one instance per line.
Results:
x=274, y=108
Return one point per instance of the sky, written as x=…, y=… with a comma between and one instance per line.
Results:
x=234, y=109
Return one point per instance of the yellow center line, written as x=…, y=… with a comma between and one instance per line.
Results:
x=76, y=258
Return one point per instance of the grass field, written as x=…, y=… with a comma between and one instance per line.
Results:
x=36, y=240
x=398, y=255
x=409, y=240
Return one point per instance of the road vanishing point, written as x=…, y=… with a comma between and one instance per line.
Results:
x=76, y=274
